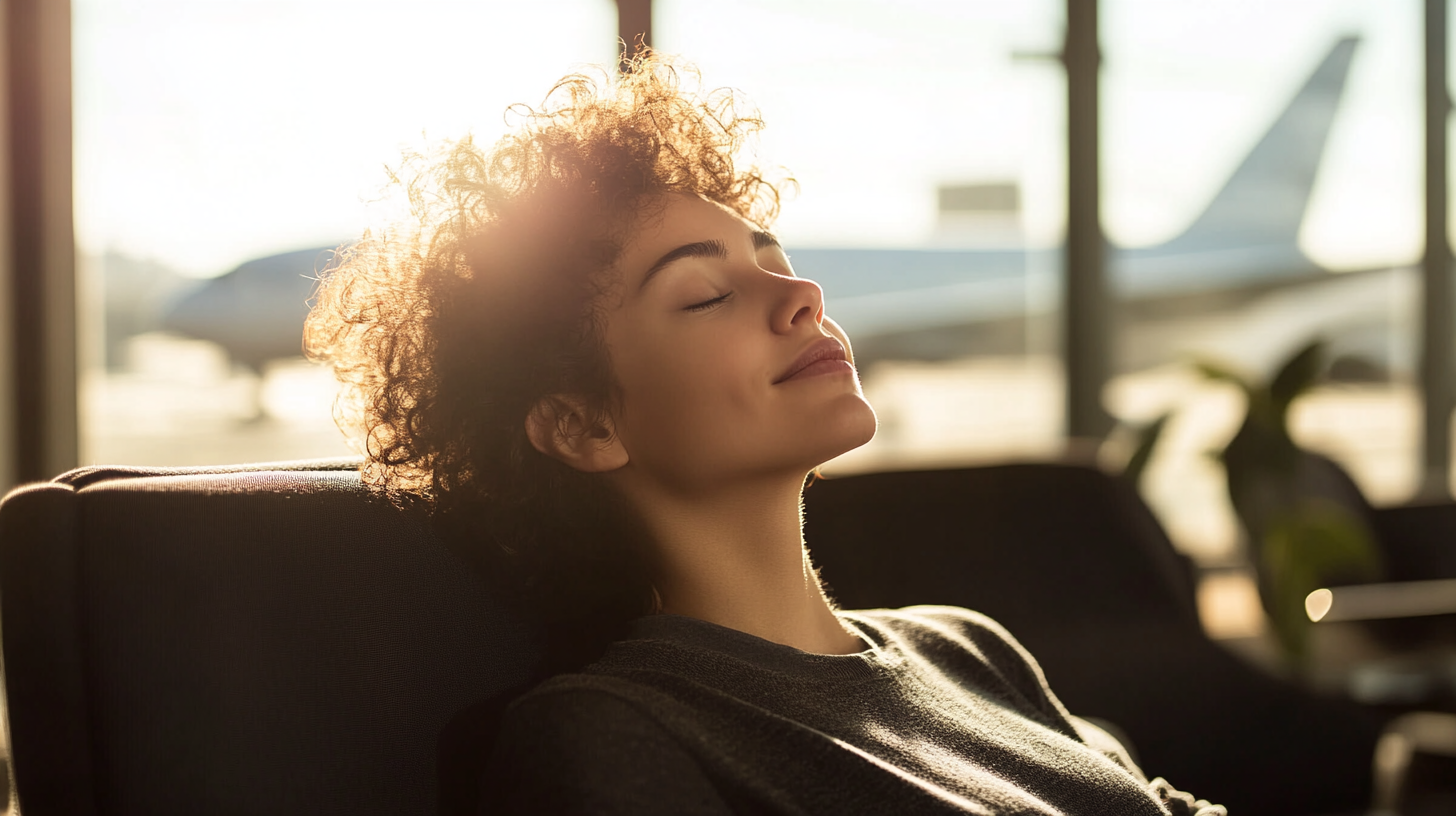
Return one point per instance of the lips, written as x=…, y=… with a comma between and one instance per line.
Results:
x=824, y=356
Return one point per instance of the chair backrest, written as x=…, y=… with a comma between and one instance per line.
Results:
x=1074, y=565
x=264, y=639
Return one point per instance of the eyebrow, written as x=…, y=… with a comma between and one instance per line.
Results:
x=712, y=248
x=697, y=249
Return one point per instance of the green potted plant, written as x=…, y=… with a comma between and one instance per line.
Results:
x=1301, y=533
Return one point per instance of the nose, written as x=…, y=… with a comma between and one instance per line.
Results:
x=800, y=300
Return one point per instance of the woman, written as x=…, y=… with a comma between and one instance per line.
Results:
x=595, y=363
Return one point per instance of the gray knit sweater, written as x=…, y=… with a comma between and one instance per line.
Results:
x=943, y=713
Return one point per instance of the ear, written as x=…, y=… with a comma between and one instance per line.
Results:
x=560, y=427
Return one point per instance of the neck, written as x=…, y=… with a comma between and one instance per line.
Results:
x=736, y=557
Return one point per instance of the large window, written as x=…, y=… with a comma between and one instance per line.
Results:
x=1261, y=187
x=210, y=134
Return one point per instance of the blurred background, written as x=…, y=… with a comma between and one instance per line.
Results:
x=1030, y=248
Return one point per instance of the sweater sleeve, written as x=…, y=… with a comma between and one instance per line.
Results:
x=588, y=752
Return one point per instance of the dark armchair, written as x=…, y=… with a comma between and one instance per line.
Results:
x=273, y=639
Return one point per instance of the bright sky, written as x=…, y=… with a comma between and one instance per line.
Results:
x=212, y=131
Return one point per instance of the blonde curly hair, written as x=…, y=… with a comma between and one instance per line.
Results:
x=448, y=327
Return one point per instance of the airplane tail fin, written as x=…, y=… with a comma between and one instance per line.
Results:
x=1265, y=199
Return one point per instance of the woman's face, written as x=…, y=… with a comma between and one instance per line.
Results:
x=726, y=364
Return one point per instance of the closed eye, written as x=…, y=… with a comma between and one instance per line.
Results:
x=708, y=304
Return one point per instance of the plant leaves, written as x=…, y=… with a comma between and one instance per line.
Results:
x=1296, y=375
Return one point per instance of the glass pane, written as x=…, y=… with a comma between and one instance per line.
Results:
x=1262, y=186
x=927, y=138
x=210, y=134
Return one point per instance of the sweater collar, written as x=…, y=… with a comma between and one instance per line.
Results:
x=702, y=643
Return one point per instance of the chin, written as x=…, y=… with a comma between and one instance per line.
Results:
x=849, y=426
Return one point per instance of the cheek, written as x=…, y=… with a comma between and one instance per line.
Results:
x=678, y=394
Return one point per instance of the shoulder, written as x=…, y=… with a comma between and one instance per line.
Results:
x=967, y=644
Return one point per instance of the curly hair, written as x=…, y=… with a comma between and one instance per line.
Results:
x=447, y=328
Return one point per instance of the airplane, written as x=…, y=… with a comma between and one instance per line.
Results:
x=256, y=311
x=937, y=304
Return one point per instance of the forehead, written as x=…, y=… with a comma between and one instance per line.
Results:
x=671, y=220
